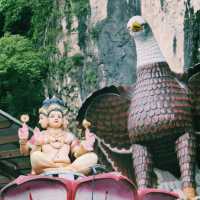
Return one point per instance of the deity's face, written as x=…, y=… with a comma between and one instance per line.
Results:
x=43, y=121
x=55, y=119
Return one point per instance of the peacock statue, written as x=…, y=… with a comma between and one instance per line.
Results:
x=152, y=123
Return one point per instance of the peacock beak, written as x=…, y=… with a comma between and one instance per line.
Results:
x=135, y=27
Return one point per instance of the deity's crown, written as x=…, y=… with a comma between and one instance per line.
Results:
x=51, y=104
x=43, y=110
x=54, y=100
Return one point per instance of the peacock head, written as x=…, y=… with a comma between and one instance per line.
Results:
x=137, y=26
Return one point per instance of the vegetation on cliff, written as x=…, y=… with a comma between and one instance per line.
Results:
x=24, y=61
x=22, y=69
x=28, y=36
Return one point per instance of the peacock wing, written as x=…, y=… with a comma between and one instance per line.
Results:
x=107, y=110
x=113, y=161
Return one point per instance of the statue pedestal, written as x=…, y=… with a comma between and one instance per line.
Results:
x=63, y=174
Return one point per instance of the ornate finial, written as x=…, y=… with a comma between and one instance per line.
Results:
x=86, y=124
x=24, y=118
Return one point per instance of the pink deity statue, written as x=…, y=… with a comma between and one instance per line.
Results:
x=51, y=148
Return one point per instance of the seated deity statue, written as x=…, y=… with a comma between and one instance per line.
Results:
x=51, y=148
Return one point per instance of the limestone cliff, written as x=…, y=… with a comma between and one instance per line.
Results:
x=96, y=49
x=93, y=36
x=109, y=57
x=176, y=27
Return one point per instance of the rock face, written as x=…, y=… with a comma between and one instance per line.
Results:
x=100, y=37
x=109, y=50
x=97, y=32
x=176, y=28
x=95, y=49
x=167, y=23
x=109, y=56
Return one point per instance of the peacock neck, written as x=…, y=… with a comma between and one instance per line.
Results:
x=148, y=51
x=157, y=71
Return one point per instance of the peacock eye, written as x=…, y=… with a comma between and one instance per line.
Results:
x=145, y=26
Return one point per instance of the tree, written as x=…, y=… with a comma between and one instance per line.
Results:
x=16, y=16
x=22, y=71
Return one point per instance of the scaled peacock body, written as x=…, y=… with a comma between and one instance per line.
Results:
x=155, y=119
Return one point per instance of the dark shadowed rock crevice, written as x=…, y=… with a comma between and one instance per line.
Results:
x=191, y=36
x=115, y=62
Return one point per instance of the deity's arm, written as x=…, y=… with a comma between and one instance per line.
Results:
x=27, y=146
x=24, y=147
x=80, y=147
x=23, y=139
x=75, y=146
x=77, y=149
x=34, y=143
x=39, y=137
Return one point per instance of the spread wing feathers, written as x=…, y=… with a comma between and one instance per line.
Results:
x=114, y=161
x=107, y=110
x=194, y=85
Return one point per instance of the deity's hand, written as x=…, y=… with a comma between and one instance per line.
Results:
x=89, y=141
x=38, y=137
x=23, y=132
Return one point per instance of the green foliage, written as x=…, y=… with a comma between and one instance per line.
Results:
x=17, y=15
x=31, y=18
x=68, y=64
x=22, y=67
x=162, y=3
x=81, y=9
x=44, y=21
x=77, y=59
x=40, y=19
x=64, y=65
x=90, y=76
x=95, y=32
x=22, y=70
x=191, y=36
x=17, y=54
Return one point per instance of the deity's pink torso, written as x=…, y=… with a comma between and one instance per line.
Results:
x=57, y=148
